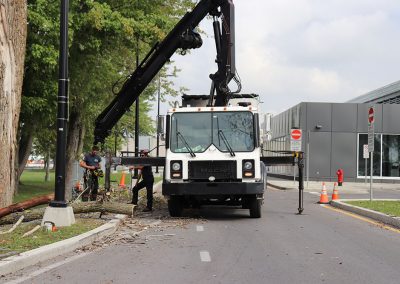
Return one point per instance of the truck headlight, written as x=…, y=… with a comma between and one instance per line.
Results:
x=248, y=168
x=176, y=166
x=248, y=165
x=176, y=169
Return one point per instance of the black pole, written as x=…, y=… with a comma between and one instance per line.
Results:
x=301, y=180
x=137, y=110
x=62, y=109
x=158, y=117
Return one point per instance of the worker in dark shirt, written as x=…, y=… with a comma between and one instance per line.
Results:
x=146, y=174
x=91, y=164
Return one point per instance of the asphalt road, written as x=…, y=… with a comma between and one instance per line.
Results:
x=226, y=246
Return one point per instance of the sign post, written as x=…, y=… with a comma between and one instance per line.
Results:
x=365, y=156
x=295, y=145
x=371, y=140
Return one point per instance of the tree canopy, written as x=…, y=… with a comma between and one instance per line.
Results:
x=103, y=39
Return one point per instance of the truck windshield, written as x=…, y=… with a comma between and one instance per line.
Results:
x=201, y=129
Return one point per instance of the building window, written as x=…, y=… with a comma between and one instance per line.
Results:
x=386, y=156
x=390, y=155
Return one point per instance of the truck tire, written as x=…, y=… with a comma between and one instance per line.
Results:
x=175, y=206
x=255, y=207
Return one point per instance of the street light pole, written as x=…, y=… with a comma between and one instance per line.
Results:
x=58, y=212
x=62, y=111
x=137, y=111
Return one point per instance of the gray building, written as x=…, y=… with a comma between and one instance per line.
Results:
x=335, y=134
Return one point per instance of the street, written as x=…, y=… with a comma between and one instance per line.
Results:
x=218, y=245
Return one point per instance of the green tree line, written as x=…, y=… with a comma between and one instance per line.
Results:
x=104, y=36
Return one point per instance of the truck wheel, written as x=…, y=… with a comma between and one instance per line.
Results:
x=255, y=207
x=175, y=206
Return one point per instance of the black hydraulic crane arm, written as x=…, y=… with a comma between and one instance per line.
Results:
x=181, y=36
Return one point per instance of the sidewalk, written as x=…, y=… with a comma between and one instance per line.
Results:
x=347, y=188
x=349, y=191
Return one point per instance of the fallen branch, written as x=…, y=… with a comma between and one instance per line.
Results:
x=82, y=207
x=15, y=226
x=31, y=231
x=26, y=204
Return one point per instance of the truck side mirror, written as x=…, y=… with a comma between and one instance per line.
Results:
x=160, y=127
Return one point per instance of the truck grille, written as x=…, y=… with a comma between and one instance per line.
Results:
x=221, y=170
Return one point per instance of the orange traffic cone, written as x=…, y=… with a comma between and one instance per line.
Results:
x=323, y=199
x=335, y=194
x=122, y=181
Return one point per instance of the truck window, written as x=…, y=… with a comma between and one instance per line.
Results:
x=195, y=129
x=237, y=128
x=200, y=130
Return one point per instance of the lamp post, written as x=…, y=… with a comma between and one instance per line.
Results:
x=137, y=111
x=58, y=212
x=62, y=112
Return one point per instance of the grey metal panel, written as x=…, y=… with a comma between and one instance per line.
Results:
x=303, y=116
x=391, y=119
x=344, y=117
x=362, y=118
x=344, y=154
x=319, y=114
x=320, y=154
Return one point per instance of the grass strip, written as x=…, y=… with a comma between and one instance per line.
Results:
x=15, y=242
x=388, y=207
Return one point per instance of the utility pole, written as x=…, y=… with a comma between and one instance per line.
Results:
x=62, y=111
x=137, y=109
x=58, y=212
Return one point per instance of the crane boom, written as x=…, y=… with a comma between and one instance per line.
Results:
x=181, y=36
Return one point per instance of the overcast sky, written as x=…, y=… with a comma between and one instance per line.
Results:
x=290, y=51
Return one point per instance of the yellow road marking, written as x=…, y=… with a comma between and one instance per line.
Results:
x=365, y=219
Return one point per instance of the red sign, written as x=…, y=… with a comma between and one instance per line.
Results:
x=371, y=115
x=296, y=134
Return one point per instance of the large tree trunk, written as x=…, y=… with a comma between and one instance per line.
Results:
x=76, y=132
x=47, y=167
x=13, y=28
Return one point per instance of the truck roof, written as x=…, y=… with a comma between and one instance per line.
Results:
x=209, y=109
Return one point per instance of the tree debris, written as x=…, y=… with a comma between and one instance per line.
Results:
x=31, y=231
x=14, y=227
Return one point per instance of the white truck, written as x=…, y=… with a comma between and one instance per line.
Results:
x=213, y=157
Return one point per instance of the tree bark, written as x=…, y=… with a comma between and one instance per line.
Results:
x=13, y=29
x=76, y=132
x=47, y=167
x=82, y=207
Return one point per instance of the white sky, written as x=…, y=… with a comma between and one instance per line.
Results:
x=289, y=51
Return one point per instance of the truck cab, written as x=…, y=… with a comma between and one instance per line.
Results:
x=213, y=157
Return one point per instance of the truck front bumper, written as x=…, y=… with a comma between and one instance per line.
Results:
x=212, y=188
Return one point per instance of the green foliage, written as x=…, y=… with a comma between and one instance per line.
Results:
x=103, y=35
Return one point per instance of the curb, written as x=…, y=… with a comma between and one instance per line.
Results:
x=392, y=221
x=17, y=262
x=277, y=186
